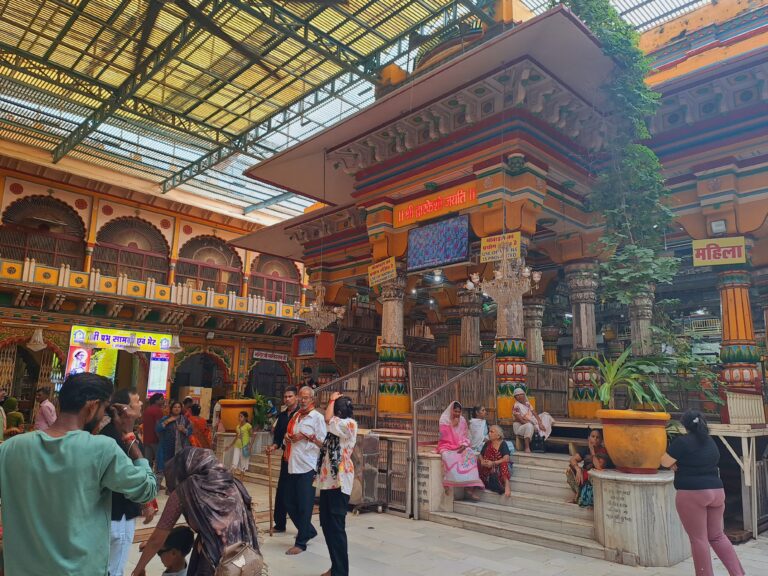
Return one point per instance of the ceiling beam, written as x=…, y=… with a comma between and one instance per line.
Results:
x=32, y=65
x=267, y=203
x=162, y=55
x=304, y=32
x=291, y=112
x=476, y=7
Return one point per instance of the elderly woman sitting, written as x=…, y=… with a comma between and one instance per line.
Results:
x=527, y=421
x=494, y=462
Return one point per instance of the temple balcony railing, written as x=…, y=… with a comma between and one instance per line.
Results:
x=30, y=273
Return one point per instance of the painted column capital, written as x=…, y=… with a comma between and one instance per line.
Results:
x=583, y=281
x=533, y=312
x=470, y=302
x=393, y=289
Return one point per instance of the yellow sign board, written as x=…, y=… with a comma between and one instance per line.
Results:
x=434, y=205
x=379, y=343
x=719, y=251
x=491, y=246
x=119, y=339
x=381, y=272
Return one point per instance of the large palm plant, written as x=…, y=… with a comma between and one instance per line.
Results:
x=630, y=374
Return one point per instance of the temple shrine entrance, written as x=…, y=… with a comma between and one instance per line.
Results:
x=268, y=378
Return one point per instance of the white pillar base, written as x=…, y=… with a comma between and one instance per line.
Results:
x=636, y=519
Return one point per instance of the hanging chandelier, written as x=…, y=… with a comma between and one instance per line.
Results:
x=175, y=346
x=37, y=342
x=318, y=315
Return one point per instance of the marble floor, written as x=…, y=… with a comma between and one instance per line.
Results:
x=387, y=545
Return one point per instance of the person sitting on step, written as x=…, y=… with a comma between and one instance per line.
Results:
x=593, y=457
x=494, y=462
x=527, y=421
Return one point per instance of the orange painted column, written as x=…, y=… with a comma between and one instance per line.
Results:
x=172, y=273
x=454, y=341
x=738, y=352
x=88, y=262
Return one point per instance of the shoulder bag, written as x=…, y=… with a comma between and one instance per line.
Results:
x=240, y=559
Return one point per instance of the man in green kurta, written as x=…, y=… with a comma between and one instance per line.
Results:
x=56, y=486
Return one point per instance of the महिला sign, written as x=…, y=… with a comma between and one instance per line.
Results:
x=490, y=246
x=381, y=272
x=719, y=251
x=433, y=205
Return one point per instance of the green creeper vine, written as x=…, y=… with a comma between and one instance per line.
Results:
x=629, y=191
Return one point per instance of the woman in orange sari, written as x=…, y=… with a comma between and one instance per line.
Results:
x=201, y=433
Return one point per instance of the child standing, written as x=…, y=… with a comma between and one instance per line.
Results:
x=173, y=554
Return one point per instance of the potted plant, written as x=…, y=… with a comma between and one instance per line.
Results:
x=231, y=407
x=635, y=439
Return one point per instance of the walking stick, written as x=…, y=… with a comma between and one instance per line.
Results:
x=269, y=481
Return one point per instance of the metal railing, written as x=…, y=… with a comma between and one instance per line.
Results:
x=423, y=378
x=475, y=386
x=548, y=384
x=362, y=386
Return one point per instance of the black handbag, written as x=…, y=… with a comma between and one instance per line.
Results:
x=537, y=442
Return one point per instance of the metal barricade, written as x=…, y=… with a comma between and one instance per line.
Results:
x=362, y=386
x=423, y=378
x=395, y=472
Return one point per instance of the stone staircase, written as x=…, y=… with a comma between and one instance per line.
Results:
x=538, y=511
x=257, y=471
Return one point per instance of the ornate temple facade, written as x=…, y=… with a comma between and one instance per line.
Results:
x=494, y=140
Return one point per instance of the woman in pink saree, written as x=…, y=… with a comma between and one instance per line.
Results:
x=459, y=460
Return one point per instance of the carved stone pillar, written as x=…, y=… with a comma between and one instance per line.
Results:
x=738, y=352
x=533, y=313
x=550, y=335
x=471, y=306
x=440, y=332
x=454, y=336
x=487, y=344
x=393, y=396
x=640, y=316
x=582, y=279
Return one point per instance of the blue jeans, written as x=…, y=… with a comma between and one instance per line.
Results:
x=120, y=542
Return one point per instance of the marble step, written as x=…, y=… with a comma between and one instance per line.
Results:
x=549, y=460
x=538, y=503
x=556, y=523
x=545, y=538
x=547, y=488
x=553, y=475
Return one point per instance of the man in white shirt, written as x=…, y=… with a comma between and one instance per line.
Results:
x=305, y=429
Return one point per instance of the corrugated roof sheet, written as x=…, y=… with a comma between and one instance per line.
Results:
x=286, y=71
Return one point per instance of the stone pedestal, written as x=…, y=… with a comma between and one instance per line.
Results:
x=430, y=494
x=636, y=519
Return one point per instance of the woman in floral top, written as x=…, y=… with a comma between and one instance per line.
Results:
x=335, y=476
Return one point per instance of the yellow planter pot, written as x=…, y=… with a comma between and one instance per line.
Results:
x=231, y=408
x=635, y=440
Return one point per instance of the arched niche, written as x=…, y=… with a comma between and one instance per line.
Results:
x=209, y=262
x=276, y=279
x=43, y=228
x=133, y=247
